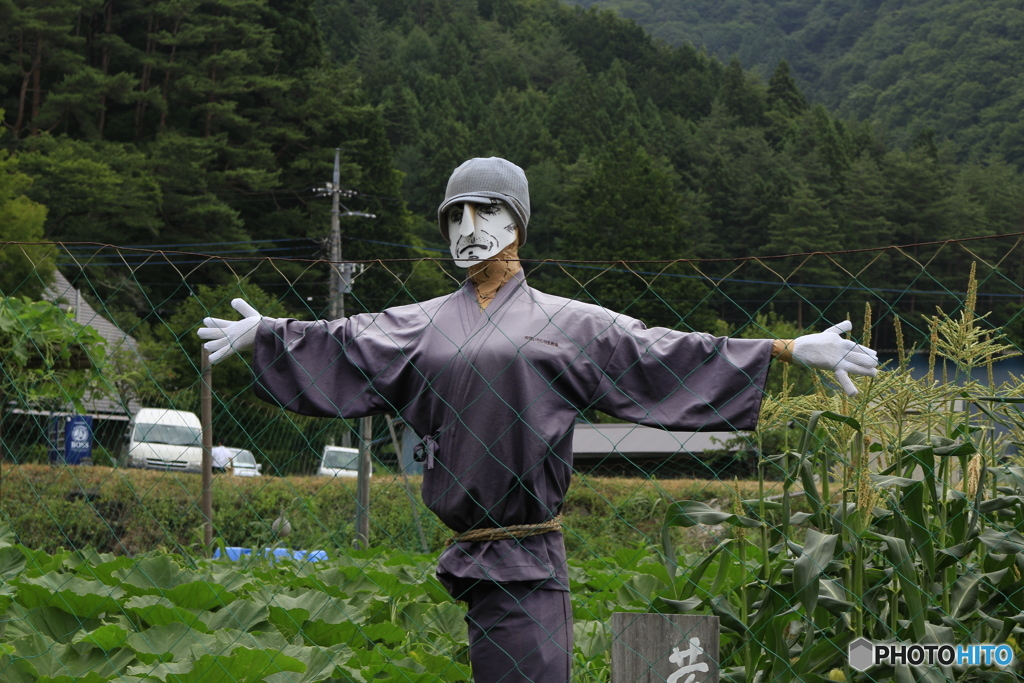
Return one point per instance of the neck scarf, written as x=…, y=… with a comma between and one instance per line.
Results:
x=489, y=276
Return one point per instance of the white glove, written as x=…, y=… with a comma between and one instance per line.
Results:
x=829, y=351
x=231, y=336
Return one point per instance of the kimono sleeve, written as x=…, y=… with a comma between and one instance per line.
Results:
x=682, y=381
x=343, y=368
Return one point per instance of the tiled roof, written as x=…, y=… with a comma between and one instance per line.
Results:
x=71, y=300
x=599, y=440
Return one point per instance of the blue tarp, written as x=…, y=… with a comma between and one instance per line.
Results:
x=236, y=553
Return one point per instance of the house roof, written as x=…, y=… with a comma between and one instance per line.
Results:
x=68, y=297
x=598, y=440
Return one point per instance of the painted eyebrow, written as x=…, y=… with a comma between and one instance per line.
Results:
x=487, y=209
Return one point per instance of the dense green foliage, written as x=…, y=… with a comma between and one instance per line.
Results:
x=207, y=124
x=637, y=150
x=50, y=361
x=948, y=68
x=29, y=267
x=149, y=123
x=912, y=530
x=377, y=615
x=131, y=511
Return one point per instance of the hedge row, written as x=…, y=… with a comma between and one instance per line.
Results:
x=130, y=511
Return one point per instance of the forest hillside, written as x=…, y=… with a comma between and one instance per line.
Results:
x=909, y=67
x=209, y=125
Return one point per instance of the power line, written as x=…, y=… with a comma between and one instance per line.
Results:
x=196, y=244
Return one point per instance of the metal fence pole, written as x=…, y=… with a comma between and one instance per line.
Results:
x=206, y=416
x=363, y=486
x=405, y=483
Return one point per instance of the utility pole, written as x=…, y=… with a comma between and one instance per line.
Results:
x=341, y=284
x=341, y=273
x=337, y=290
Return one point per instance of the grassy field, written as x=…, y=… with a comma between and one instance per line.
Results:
x=132, y=511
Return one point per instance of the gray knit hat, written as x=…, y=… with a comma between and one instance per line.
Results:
x=482, y=180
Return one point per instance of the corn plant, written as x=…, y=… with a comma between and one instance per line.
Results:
x=912, y=527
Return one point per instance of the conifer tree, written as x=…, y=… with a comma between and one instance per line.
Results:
x=24, y=269
x=625, y=206
x=784, y=96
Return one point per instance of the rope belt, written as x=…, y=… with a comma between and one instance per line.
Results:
x=504, y=532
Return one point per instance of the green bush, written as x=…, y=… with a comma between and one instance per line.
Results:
x=131, y=511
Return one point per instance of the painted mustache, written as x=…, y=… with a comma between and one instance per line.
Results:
x=490, y=243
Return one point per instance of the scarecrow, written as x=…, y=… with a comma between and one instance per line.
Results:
x=492, y=377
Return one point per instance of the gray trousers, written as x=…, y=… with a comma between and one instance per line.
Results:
x=519, y=632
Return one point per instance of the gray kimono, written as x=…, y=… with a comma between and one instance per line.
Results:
x=494, y=395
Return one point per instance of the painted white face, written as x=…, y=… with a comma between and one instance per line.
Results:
x=479, y=231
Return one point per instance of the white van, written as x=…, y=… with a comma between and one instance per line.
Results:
x=164, y=439
x=338, y=461
x=243, y=463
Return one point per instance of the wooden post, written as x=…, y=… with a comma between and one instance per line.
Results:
x=206, y=416
x=664, y=648
x=405, y=484
x=363, y=474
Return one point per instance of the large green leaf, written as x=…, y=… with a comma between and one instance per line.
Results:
x=950, y=556
x=810, y=488
x=156, y=611
x=999, y=503
x=997, y=541
x=7, y=592
x=963, y=599
x=811, y=431
x=80, y=597
x=49, y=658
x=55, y=624
x=322, y=664
x=639, y=590
x=12, y=561
x=694, y=576
x=727, y=616
x=16, y=670
x=106, y=638
x=90, y=677
x=244, y=615
x=243, y=665
x=909, y=579
x=688, y=513
x=917, y=521
x=104, y=568
x=681, y=606
x=162, y=643
x=445, y=619
x=815, y=556
x=887, y=481
x=163, y=576
x=833, y=598
x=449, y=671
x=357, y=635
x=824, y=654
x=376, y=582
x=290, y=612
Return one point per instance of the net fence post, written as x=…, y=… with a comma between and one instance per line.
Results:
x=405, y=484
x=363, y=486
x=664, y=648
x=206, y=417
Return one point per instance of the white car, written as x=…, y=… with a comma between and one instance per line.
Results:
x=338, y=461
x=243, y=463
